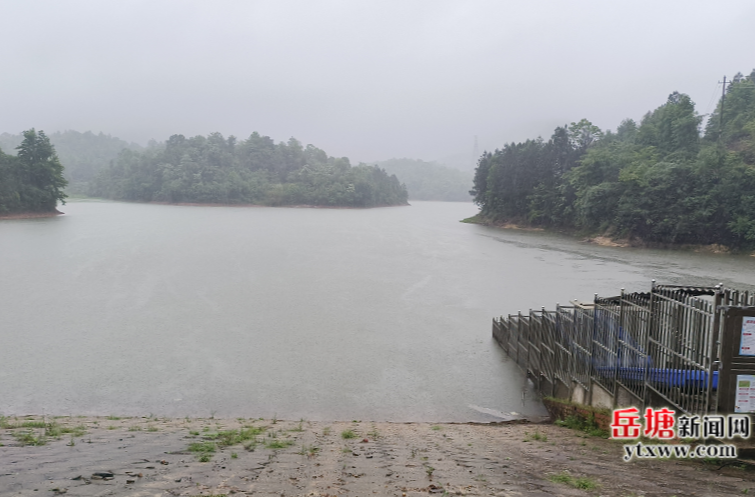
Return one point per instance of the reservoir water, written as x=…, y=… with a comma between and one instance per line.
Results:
x=340, y=314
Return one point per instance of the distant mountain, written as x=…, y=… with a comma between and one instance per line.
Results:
x=430, y=180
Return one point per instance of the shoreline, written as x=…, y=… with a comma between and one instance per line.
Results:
x=30, y=215
x=291, y=206
x=609, y=241
x=88, y=456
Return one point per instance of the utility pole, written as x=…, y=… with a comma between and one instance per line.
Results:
x=475, y=153
x=723, y=98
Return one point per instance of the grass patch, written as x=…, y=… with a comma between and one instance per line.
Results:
x=202, y=447
x=579, y=417
x=476, y=219
x=326, y=431
x=278, y=444
x=55, y=430
x=30, y=438
x=436, y=427
x=347, y=434
x=203, y=450
x=5, y=423
x=299, y=427
x=587, y=425
x=309, y=450
x=32, y=424
x=135, y=428
x=581, y=482
x=540, y=437
x=234, y=437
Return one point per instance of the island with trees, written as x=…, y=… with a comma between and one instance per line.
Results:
x=218, y=170
x=31, y=182
x=659, y=182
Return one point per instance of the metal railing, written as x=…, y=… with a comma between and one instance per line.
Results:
x=662, y=345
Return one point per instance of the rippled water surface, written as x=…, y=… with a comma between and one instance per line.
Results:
x=379, y=314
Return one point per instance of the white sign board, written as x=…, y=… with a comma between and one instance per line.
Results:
x=745, y=399
x=747, y=343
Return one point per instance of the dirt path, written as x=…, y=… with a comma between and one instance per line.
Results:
x=150, y=457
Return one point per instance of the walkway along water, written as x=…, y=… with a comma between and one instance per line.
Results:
x=689, y=348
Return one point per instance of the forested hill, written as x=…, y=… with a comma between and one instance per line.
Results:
x=32, y=180
x=82, y=154
x=214, y=169
x=430, y=180
x=657, y=181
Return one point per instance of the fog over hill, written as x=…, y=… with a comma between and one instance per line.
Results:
x=430, y=180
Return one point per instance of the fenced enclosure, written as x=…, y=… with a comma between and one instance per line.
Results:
x=663, y=346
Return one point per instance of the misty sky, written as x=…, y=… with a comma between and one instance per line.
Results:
x=369, y=80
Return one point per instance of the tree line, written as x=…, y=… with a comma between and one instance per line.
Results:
x=83, y=155
x=659, y=181
x=214, y=169
x=32, y=180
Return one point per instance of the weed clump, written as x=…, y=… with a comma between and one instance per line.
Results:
x=203, y=450
x=581, y=482
x=234, y=437
x=587, y=425
x=347, y=434
x=278, y=444
x=29, y=438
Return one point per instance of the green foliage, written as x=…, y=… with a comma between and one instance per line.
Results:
x=587, y=425
x=657, y=182
x=33, y=179
x=29, y=438
x=582, y=482
x=309, y=450
x=278, y=444
x=214, y=169
x=347, y=434
x=203, y=450
x=82, y=154
x=51, y=429
x=234, y=437
x=202, y=447
x=540, y=437
x=56, y=431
